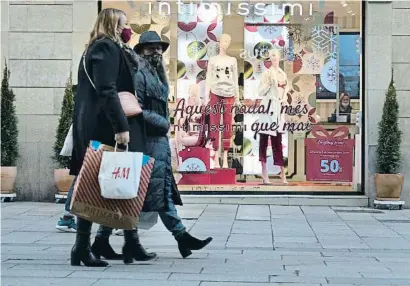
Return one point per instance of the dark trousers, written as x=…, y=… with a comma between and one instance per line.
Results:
x=276, y=142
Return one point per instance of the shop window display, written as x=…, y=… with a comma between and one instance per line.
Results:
x=227, y=60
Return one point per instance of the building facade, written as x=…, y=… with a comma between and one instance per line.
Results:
x=43, y=41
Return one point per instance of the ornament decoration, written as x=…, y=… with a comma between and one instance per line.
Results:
x=139, y=29
x=248, y=68
x=187, y=27
x=181, y=70
x=196, y=50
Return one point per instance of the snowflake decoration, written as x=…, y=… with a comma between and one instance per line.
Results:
x=331, y=75
x=271, y=29
x=185, y=10
x=324, y=40
x=298, y=34
x=193, y=168
x=313, y=63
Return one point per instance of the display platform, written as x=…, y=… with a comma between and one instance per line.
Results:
x=297, y=187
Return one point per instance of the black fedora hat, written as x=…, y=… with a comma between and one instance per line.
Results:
x=150, y=37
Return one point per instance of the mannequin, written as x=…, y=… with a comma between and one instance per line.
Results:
x=188, y=135
x=273, y=87
x=222, y=89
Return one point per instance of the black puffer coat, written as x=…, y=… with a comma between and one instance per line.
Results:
x=155, y=113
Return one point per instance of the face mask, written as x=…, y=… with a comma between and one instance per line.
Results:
x=154, y=60
x=126, y=35
x=345, y=104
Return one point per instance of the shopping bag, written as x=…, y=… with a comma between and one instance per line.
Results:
x=120, y=174
x=88, y=203
x=147, y=220
x=68, y=144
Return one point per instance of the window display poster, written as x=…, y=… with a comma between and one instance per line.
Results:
x=329, y=156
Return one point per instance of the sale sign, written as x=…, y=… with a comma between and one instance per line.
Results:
x=329, y=157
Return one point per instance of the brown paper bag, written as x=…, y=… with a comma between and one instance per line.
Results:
x=88, y=203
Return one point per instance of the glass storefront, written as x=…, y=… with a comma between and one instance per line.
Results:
x=289, y=72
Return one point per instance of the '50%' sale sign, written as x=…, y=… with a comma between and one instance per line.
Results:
x=329, y=157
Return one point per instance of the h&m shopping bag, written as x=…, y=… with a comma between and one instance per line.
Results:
x=120, y=174
x=88, y=203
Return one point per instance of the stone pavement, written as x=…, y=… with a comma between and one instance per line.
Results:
x=253, y=246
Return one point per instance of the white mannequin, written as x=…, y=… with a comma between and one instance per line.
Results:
x=227, y=89
x=274, y=88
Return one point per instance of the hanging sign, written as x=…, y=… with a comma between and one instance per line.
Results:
x=329, y=156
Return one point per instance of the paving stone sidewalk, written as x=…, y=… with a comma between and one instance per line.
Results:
x=253, y=246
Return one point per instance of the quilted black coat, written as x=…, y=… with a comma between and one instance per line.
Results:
x=154, y=101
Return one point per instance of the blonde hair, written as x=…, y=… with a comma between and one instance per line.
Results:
x=106, y=25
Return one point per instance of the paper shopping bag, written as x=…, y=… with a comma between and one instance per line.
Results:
x=88, y=203
x=120, y=174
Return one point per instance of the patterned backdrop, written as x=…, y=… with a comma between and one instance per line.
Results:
x=199, y=30
x=310, y=57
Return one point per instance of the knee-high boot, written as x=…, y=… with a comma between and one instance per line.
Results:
x=81, y=251
x=133, y=249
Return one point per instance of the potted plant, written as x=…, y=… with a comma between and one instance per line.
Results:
x=9, y=135
x=62, y=176
x=388, y=180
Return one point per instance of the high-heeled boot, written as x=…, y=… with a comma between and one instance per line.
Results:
x=187, y=242
x=102, y=247
x=81, y=251
x=133, y=249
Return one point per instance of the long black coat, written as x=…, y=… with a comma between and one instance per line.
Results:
x=155, y=112
x=98, y=114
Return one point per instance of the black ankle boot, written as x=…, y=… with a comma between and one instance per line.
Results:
x=81, y=251
x=187, y=242
x=102, y=247
x=133, y=249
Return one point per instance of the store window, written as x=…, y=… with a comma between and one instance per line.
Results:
x=283, y=88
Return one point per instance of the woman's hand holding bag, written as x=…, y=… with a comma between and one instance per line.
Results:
x=120, y=174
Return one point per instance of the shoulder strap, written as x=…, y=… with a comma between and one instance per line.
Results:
x=85, y=69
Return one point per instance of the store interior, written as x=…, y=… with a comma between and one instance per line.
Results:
x=186, y=62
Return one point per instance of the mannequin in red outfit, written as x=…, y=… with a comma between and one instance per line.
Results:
x=223, y=89
x=273, y=88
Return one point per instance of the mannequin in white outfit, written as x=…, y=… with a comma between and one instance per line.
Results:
x=222, y=88
x=273, y=87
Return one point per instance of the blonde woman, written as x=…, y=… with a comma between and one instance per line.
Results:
x=106, y=69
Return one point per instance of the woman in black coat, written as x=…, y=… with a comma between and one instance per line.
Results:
x=152, y=91
x=106, y=69
x=152, y=88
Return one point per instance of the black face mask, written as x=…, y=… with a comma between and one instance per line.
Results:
x=154, y=59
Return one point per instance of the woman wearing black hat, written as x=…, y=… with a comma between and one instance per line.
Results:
x=105, y=70
x=152, y=91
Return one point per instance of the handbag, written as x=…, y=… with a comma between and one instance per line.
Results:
x=120, y=174
x=129, y=101
x=68, y=144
